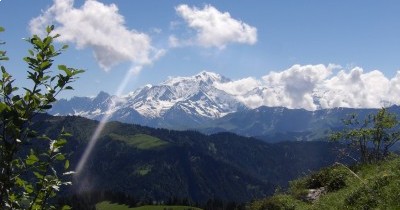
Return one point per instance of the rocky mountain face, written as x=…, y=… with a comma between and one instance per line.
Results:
x=181, y=102
x=274, y=124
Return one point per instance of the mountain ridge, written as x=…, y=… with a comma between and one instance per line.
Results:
x=196, y=96
x=198, y=103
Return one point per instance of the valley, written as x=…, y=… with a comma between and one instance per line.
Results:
x=159, y=164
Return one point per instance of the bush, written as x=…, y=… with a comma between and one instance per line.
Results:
x=332, y=179
x=368, y=196
x=277, y=202
x=298, y=188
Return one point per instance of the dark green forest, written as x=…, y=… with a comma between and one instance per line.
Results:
x=156, y=165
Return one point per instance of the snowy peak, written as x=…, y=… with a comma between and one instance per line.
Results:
x=196, y=93
x=210, y=77
x=196, y=97
x=204, y=78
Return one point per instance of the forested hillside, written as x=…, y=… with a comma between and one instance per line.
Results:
x=157, y=164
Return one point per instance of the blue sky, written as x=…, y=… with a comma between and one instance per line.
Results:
x=267, y=36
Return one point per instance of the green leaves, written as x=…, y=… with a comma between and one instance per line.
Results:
x=3, y=107
x=16, y=113
x=49, y=29
x=65, y=69
x=32, y=159
x=38, y=175
x=66, y=164
x=59, y=156
x=373, y=136
x=66, y=208
x=3, y=56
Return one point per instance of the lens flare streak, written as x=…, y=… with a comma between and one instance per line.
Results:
x=103, y=121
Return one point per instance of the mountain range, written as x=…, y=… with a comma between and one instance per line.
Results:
x=199, y=103
x=180, y=101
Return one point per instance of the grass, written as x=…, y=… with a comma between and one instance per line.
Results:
x=367, y=186
x=106, y=205
x=140, y=141
x=166, y=208
x=144, y=170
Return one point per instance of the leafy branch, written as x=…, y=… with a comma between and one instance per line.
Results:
x=28, y=181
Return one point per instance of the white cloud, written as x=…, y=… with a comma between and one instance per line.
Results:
x=297, y=84
x=101, y=28
x=252, y=101
x=214, y=28
x=317, y=86
x=239, y=87
x=394, y=89
x=356, y=89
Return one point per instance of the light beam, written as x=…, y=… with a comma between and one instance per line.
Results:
x=110, y=111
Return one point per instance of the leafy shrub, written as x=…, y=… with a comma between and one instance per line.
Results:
x=279, y=202
x=368, y=196
x=298, y=188
x=332, y=179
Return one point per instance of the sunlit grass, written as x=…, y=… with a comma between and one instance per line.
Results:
x=106, y=205
x=140, y=141
x=371, y=186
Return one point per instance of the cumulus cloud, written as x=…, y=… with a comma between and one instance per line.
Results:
x=213, y=28
x=356, y=89
x=394, y=89
x=297, y=83
x=101, y=28
x=314, y=87
x=239, y=87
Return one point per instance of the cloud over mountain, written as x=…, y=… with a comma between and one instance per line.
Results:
x=101, y=28
x=239, y=87
x=190, y=102
x=297, y=84
x=213, y=28
x=317, y=87
x=356, y=88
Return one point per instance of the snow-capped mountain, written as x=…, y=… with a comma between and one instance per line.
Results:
x=187, y=101
x=202, y=102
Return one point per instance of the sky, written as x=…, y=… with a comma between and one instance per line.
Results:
x=298, y=45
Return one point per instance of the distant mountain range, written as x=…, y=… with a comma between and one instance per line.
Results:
x=182, y=102
x=197, y=103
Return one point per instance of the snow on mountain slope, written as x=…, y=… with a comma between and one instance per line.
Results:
x=196, y=92
x=196, y=95
x=205, y=99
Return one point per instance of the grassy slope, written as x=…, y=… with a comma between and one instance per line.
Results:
x=373, y=186
x=140, y=141
x=105, y=205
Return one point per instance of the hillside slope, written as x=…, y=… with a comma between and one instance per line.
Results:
x=158, y=163
x=368, y=186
